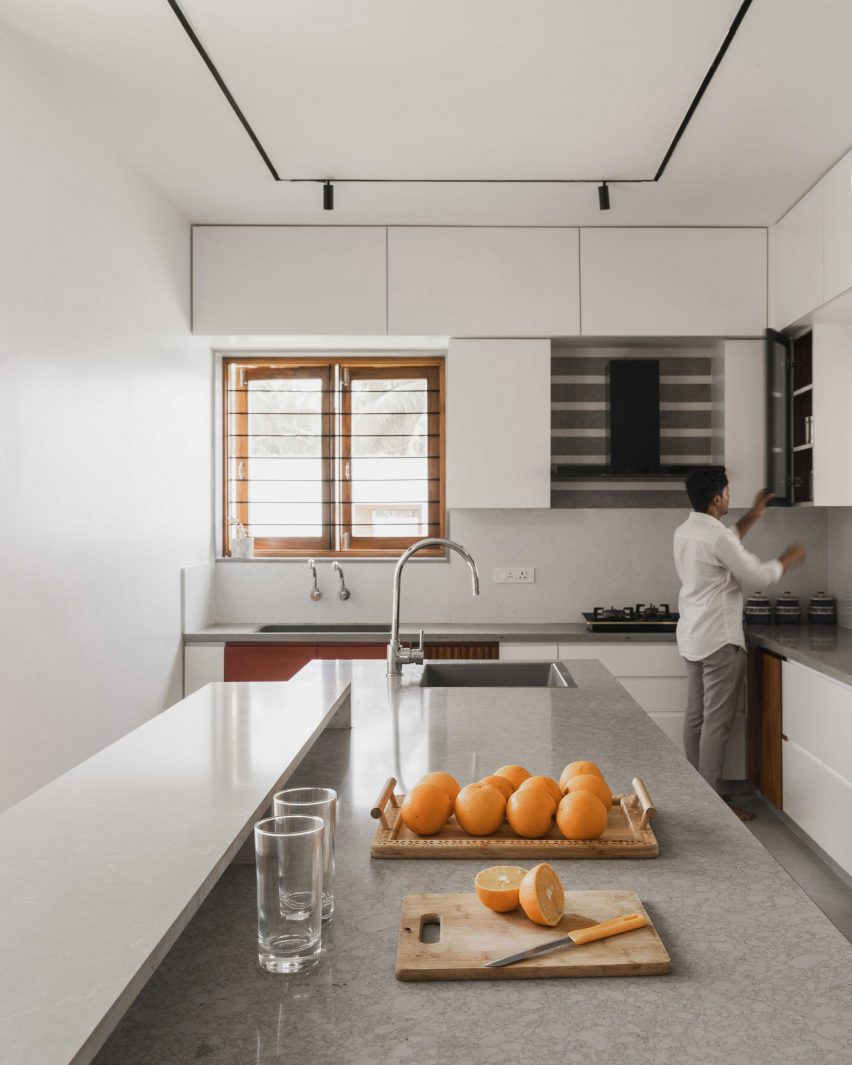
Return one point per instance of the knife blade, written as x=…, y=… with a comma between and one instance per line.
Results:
x=577, y=938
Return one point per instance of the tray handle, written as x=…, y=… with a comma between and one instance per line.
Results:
x=386, y=796
x=649, y=811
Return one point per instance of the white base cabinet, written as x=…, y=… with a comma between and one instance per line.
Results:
x=817, y=758
x=654, y=674
x=819, y=802
x=203, y=663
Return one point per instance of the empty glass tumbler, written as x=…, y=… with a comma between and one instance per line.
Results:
x=289, y=856
x=315, y=802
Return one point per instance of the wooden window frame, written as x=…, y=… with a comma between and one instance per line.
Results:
x=336, y=450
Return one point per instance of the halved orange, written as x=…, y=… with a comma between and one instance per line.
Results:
x=498, y=887
x=515, y=774
x=575, y=769
x=542, y=896
x=504, y=786
x=443, y=780
x=547, y=783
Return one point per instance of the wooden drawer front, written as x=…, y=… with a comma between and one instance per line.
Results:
x=352, y=650
x=817, y=716
x=658, y=694
x=529, y=652
x=461, y=651
x=819, y=802
x=266, y=661
x=630, y=660
x=735, y=760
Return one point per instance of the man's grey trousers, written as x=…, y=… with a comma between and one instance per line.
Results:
x=713, y=695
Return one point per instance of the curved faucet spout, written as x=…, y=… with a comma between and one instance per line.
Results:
x=398, y=656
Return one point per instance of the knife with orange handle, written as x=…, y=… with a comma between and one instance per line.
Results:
x=577, y=938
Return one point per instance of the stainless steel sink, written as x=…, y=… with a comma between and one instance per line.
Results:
x=493, y=675
x=329, y=629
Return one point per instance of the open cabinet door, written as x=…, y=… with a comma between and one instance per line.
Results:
x=778, y=450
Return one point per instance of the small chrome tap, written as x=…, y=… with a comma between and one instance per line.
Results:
x=314, y=593
x=344, y=592
x=398, y=656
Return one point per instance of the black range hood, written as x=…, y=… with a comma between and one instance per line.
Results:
x=633, y=428
x=633, y=405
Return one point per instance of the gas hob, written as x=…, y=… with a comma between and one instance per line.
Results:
x=638, y=618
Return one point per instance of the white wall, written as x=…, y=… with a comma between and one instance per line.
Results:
x=581, y=558
x=105, y=422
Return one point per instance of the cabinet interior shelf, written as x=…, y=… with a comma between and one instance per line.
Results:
x=803, y=447
x=803, y=389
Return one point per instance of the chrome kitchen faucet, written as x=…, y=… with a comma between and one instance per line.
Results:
x=344, y=592
x=314, y=593
x=399, y=656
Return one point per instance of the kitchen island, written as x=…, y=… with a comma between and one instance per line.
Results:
x=759, y=975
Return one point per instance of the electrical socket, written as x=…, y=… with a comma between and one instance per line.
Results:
x=514, y=575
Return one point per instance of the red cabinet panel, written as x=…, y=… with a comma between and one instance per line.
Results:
x=266, y=661
x=351, y=650
x=281, y=661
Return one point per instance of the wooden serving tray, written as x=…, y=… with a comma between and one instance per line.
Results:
x=628, y=834
x=470, y=935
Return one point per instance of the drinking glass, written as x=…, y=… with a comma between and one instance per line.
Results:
x=315, y=802
x=288, y=854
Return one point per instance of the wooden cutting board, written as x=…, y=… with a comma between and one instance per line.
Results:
x=470, y=935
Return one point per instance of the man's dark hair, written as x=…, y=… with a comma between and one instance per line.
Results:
x=703, y=485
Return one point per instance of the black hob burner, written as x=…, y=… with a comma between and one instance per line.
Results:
x=638, y=618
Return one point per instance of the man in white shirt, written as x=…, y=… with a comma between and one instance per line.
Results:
x=713, y=567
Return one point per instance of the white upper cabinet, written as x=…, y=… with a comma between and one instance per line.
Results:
x=796, y=261
x=266, y=280
x=837, y=233
x=498, y=423
x=461, y=281
x=832, y=387
x=673, y=282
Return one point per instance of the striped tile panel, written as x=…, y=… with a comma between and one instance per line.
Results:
x=579, y=428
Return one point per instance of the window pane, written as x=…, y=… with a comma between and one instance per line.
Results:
x=280, y=435
x=390, y=466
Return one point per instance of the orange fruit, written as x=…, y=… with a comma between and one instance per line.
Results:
x=581, y=815
x=498, y=887
x=515, y=774
x=503, y=785
x=575, y=769
x=480, y=809
x=593, y=783
x=549, y=785
x=426, y=809
x=542, y=896
x=443, y=780
x=530, y=812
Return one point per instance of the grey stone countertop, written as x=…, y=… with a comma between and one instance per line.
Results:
x=567, y=632
x=759, y=975
x=824, y=648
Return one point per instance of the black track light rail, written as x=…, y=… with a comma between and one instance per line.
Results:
x=326, y=182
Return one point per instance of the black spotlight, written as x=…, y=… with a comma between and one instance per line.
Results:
x=328, y=197
x=603, y=196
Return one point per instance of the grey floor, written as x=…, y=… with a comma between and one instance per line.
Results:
x=832, y=894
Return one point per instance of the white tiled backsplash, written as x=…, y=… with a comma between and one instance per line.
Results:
x=581, y=558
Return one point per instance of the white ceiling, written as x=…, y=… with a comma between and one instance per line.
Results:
x=458, y=88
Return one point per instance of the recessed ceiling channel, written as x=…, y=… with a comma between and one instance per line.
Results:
x=327, y=181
